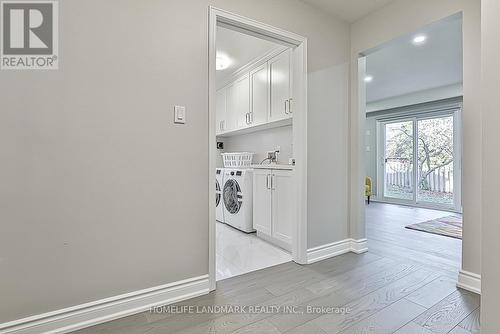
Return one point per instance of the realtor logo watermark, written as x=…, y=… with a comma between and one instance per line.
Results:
x=29, y=35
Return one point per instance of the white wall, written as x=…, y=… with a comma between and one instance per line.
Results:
x=101, y=193
x=262, y=141
x=399, y=18
x=328, y=156
x=490, y=298
x=428, y=95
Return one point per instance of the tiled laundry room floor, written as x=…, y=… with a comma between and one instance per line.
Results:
x=238, y=252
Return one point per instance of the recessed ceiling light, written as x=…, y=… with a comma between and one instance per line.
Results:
x=368, y=78
x=419, y=39
x=222, y=62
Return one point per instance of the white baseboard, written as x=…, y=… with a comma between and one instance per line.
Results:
x=93, y=313
x=469, y=281
x=336, y=248
x=359, y=246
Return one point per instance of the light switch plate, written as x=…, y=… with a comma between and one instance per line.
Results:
x=179, y=114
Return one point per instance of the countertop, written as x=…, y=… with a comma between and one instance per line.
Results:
x=273, y=166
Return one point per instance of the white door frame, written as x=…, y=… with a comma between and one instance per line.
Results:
x=299, y=90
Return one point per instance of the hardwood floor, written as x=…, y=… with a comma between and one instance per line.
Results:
x=387, y=237
x=404, y=284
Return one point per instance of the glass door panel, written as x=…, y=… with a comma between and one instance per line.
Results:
x=435, y=161
x=398, y=161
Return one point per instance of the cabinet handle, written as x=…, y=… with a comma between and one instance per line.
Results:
x=223, y=125
x=267, y=182
x=273, y=182
x=286, y=111
x=290, y=105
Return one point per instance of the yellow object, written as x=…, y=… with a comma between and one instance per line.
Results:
x=368, y=188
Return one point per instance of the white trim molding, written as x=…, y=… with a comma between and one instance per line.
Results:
x=298, y=44
x=336, y=248
x=469, y=281
x=359, y=246
x=100, y=311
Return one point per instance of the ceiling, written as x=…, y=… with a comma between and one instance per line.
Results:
x=240, y=49
x=400, y=67
x=348, y=10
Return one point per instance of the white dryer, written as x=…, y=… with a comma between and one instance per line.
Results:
x=219, y=205
x=237, y=197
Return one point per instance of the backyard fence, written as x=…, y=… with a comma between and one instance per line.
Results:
x=399, y=173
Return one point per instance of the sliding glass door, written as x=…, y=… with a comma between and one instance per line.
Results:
x=398, y=161
x=435, y=154
x=420, y=156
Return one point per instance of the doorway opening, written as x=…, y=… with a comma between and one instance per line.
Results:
x=257, y=137
x=413, y=145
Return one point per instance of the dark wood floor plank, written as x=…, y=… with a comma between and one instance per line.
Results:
x=433, y=292
x=448, y=313
x=347, y=288
x=261, y=327
x=331, y=284
x=389, y=319
x=307, y=328
x=412, y=328
x=473, y=322
x=374, y=302
x=459, y=330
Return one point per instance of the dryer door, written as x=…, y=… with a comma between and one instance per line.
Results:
x=232, y=196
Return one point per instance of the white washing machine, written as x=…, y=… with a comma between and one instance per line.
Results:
x=237, y=198
x=219, y=205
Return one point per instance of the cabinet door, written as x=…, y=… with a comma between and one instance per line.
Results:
x=259, y=95
x=283, y=205
x=220, y=113
x=231, y=107
x=262, y=201
x=243, y=102
x=280, y=83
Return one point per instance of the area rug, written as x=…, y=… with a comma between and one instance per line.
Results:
x=449, y=226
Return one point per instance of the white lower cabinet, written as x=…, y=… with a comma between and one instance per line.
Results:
x=262, y=212
x=273, y=203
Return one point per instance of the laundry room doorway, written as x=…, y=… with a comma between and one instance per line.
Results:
x=257, y=146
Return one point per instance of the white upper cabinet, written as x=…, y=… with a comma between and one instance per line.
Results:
x=280, y=83
x=220, y=115
x=243, y=101
x=237, y=104
x=259, y=95
x=231, y=107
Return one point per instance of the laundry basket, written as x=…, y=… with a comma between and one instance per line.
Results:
x=237, y=159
